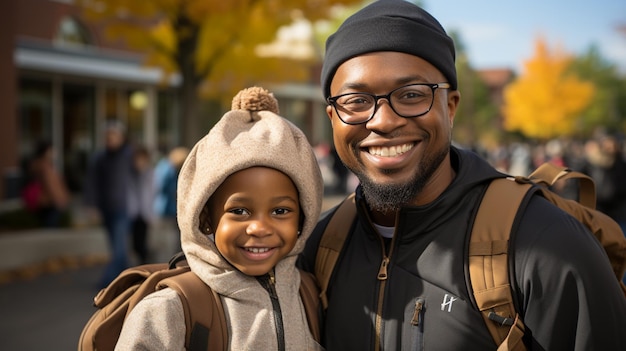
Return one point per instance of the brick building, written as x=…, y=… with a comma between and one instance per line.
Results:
x=62, y=80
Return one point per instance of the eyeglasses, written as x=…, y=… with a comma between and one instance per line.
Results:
x=408, y=101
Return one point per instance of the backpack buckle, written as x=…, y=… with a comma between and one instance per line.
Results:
x=502, y=321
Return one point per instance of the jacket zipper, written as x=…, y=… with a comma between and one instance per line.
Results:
x=382, y=277
x=417, y=313
x=416, y=337
x=268, y=281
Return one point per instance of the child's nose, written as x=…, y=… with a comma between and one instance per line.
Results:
x=258, y=228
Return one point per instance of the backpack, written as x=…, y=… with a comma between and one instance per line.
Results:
x=205, y=321
x=32, y=195
x=489, y=243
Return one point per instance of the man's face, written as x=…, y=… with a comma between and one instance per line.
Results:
x=395, y=158
x=114, y=139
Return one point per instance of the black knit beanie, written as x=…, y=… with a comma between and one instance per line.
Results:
x=390, y=25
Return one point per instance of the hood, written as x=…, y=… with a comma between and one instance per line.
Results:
x=243, y=138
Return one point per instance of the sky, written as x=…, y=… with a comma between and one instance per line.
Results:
x=502, y=33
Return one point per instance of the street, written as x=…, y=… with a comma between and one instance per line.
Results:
x=49, y=311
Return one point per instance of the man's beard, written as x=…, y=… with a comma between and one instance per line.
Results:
x=389, y=198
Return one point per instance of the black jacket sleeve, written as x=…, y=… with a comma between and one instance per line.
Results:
x=569, y=297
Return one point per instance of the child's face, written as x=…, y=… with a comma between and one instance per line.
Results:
x=255, y=214
x=142, y=162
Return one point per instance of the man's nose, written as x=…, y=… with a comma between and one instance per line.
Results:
x=385, y=119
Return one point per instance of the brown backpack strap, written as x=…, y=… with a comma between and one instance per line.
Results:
x=332, y=242
x=488, y=261
x=116, y=301
x=309, y=293
x=152, y=273
x=549, y=173
x=204, y=314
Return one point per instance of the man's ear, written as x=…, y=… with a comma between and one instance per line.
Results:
x=329, y=112
x=454, y=97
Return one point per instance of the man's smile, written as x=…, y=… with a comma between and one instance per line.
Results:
x=389, y=151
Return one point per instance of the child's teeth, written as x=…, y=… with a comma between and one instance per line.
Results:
x=257, y=250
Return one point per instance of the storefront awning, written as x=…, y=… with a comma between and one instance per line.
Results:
x=83, y=62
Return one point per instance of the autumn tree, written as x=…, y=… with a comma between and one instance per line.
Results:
x=547, y=99
x=476, y=113
x=607, y=109
x=212, y=44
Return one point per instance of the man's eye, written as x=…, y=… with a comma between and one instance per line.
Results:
x=357, y=100
x=411, y=94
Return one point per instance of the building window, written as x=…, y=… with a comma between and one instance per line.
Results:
x=72, y=32
x=35, y=114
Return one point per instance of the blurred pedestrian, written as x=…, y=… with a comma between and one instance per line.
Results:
x=325, y=162
x=45, y=192
x=606, y=165
x=108, y=183
x=140, y=203
x=342, y=173
x=520, y=159
x=166, y=181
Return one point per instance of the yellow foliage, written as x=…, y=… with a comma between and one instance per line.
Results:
x=546, y=100
x=163, y=42
x=224, y=35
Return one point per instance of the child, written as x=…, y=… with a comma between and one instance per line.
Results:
x=250, y=194
x=46, y=194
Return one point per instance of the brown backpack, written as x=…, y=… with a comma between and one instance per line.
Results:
x=206, y=327
x=489, y=243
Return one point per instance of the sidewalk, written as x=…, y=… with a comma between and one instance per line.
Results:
x=27, y=253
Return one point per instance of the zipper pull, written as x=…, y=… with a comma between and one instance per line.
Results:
x=419, y=305
x=268, y=282
x=272, y=277
x=382, y=272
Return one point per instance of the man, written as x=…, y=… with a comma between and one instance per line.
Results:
x=108, y=187
x=399, y=283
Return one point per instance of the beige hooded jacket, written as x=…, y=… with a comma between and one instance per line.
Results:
x=249, y=135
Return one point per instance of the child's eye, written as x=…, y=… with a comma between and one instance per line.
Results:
x=239, y=211
x=281, y=211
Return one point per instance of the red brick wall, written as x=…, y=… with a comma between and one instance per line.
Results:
x=8, y=86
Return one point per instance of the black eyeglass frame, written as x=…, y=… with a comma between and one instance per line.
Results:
x=332, y=100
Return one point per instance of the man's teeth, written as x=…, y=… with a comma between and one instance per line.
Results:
x=392, y=151
x=257, y=249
